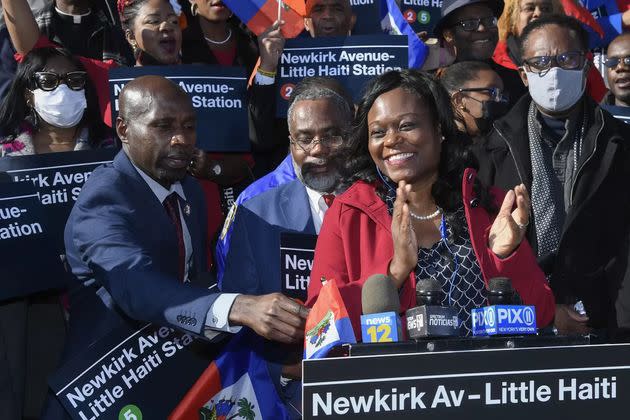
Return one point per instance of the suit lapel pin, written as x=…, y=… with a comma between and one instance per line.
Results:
x=187, y=209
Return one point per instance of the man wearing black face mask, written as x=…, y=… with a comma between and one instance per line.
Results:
x=574, y=158
x=477, y=96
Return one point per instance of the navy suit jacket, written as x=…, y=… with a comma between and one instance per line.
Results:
x=253, y=262
x=122, y=248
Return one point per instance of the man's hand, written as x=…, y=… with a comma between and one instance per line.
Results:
x=569, y=322
x=271, y=45
x=273, y=316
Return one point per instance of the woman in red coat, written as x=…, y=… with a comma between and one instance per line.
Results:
x=414, y=209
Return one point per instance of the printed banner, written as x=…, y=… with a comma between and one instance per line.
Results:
x=353, y=61
x=58, y=179
x=297, y=251
x=219, y=95
x=422, y=15
x=132, y=374
x=50, y=184
x=24, y=234
x=569, y=382
x=368, y=13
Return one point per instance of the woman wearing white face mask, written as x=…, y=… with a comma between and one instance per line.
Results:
x=50, y=107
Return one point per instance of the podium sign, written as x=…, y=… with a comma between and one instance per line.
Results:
x=571, y=382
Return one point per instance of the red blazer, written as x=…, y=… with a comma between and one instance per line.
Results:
x=355, y=242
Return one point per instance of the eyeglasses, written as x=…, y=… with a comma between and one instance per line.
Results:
x=308, y=143
x=48, y=80
x=496, y=94
x=613, y=62
x=571, y=60
x=470, y=25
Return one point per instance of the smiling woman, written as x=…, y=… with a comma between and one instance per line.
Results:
x=406, y=216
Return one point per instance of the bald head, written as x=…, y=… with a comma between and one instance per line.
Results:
x=139, y=95
x=156, y=125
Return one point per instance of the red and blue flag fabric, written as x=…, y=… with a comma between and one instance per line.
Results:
x=259, y=15
x=236, y=385
x=393, y=23
x=327, y=324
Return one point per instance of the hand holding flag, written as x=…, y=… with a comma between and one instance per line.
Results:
x=259, y=15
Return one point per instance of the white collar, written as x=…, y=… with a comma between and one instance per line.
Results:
x=160, y=192
x=317, y=198
x=75, y=18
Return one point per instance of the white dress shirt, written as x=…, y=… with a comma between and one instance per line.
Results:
x=318, y=207
x=217, y=317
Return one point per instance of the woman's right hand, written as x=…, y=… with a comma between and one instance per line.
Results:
x=405, y=242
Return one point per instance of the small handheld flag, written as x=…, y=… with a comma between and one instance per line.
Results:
x=259, y=15
x=327, y=324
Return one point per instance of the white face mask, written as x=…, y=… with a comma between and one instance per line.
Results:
x=61, y=107
x=558, y=90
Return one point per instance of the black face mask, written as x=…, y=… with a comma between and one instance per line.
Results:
x=491, y=111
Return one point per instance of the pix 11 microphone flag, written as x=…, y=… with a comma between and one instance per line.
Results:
x=235, y=385
x=327, y=324
x=259, y=15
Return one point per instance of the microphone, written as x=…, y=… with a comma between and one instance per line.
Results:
x=380, y=322
x=430, y=318
x=505, y=315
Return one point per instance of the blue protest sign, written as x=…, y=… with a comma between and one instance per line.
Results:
x=219, y=95
x=368, y=17
x=24, y=238
x=422, y=15
x=142, y=373
x=353, y=61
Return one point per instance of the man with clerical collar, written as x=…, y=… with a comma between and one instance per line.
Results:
x=84, y=29
x=574, y=159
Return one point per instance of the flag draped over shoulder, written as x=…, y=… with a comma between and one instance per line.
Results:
x=235, y=386
x=393, y=23
x=259, y=15
x=327, y=324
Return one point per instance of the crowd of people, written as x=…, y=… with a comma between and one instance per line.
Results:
x=503, y=163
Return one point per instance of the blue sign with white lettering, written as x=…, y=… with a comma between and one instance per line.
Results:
x=353, y=61
x=504, y=320
x=218, y=94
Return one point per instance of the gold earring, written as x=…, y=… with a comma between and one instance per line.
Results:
x=193, y=9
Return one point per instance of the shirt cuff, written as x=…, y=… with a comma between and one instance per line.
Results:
x=217, y=318
x=260, y=79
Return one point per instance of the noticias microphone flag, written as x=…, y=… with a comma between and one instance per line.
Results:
x=327, y=324
x=393, y=23
x=235, y=386
x=259, y=15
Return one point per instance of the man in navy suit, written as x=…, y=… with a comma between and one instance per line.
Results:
x=135, y=239
x=319, y=121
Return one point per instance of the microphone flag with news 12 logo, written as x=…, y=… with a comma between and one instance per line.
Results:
x=327, y=324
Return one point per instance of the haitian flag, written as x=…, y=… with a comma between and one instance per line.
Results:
x=236, y=385
x=259, y=15
x=327, y=324
x=394, y=23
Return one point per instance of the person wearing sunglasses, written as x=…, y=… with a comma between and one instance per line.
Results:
x=51, y=107
x=572, y=157
x=477, y=96
x=469, y=29
x=618, y=71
